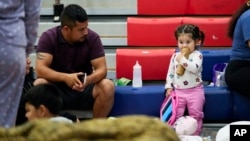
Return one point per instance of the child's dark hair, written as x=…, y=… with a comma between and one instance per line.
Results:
x=194, y=30
x=47, y=95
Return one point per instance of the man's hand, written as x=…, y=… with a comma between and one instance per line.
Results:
x=74, y=82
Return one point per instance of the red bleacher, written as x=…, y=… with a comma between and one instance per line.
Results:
x=187, y=7
x=152, y=31
x=155, y=25
x=215, y=29
x=162, y=7
x=154, y=62
x=160, y=31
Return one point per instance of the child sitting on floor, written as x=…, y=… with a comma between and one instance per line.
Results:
x=44, y=101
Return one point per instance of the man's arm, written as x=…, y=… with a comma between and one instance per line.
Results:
x=100, y=70
x=43, y=62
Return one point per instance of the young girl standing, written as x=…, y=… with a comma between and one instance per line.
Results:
x=188, y=86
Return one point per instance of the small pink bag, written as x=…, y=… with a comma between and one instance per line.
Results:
x=168, y=109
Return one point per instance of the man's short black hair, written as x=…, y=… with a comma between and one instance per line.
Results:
x=71, y=14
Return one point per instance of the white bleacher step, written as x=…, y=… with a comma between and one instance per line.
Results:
x=110, y=59
x=103, y=28
x=111, y=74
x=112, y=33
x=115, y=42
x=96, y=7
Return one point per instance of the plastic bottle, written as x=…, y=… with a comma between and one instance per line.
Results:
x=137, y=76
x=218, y=80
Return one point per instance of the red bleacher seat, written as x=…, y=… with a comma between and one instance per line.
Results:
x=152, y=31
x=188, y=7
x=213, y=7
x=215, y=29
x=161, y=7
x=154, y=62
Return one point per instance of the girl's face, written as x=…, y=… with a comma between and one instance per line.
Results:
x=185, y=40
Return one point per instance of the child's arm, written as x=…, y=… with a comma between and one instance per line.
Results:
x=194, y=63
x=170, y=73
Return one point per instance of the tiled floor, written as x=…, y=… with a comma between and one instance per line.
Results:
x=210, y=130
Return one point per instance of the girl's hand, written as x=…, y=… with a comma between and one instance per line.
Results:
x=184, y=52
x=168, y=92
x=178, y=58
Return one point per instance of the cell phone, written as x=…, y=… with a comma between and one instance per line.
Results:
x=82, y=78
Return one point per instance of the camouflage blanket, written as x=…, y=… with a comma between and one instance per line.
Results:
x=126, y=128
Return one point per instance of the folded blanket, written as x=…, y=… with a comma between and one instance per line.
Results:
x=125, y=128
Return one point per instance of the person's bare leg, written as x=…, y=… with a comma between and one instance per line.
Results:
x=103, y=93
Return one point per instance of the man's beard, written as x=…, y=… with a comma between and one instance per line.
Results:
x=82, y=39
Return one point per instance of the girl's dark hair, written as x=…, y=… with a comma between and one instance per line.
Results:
x=235, y=17
x=47, y=95
x=71, y=14
x=194, y=30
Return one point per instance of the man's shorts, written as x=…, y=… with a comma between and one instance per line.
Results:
x=74, y=100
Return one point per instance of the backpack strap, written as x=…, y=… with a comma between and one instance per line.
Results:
x=175, y=101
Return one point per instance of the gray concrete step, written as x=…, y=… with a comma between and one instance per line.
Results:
x=110, y=58
x=112, y=32
x=96, y=7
